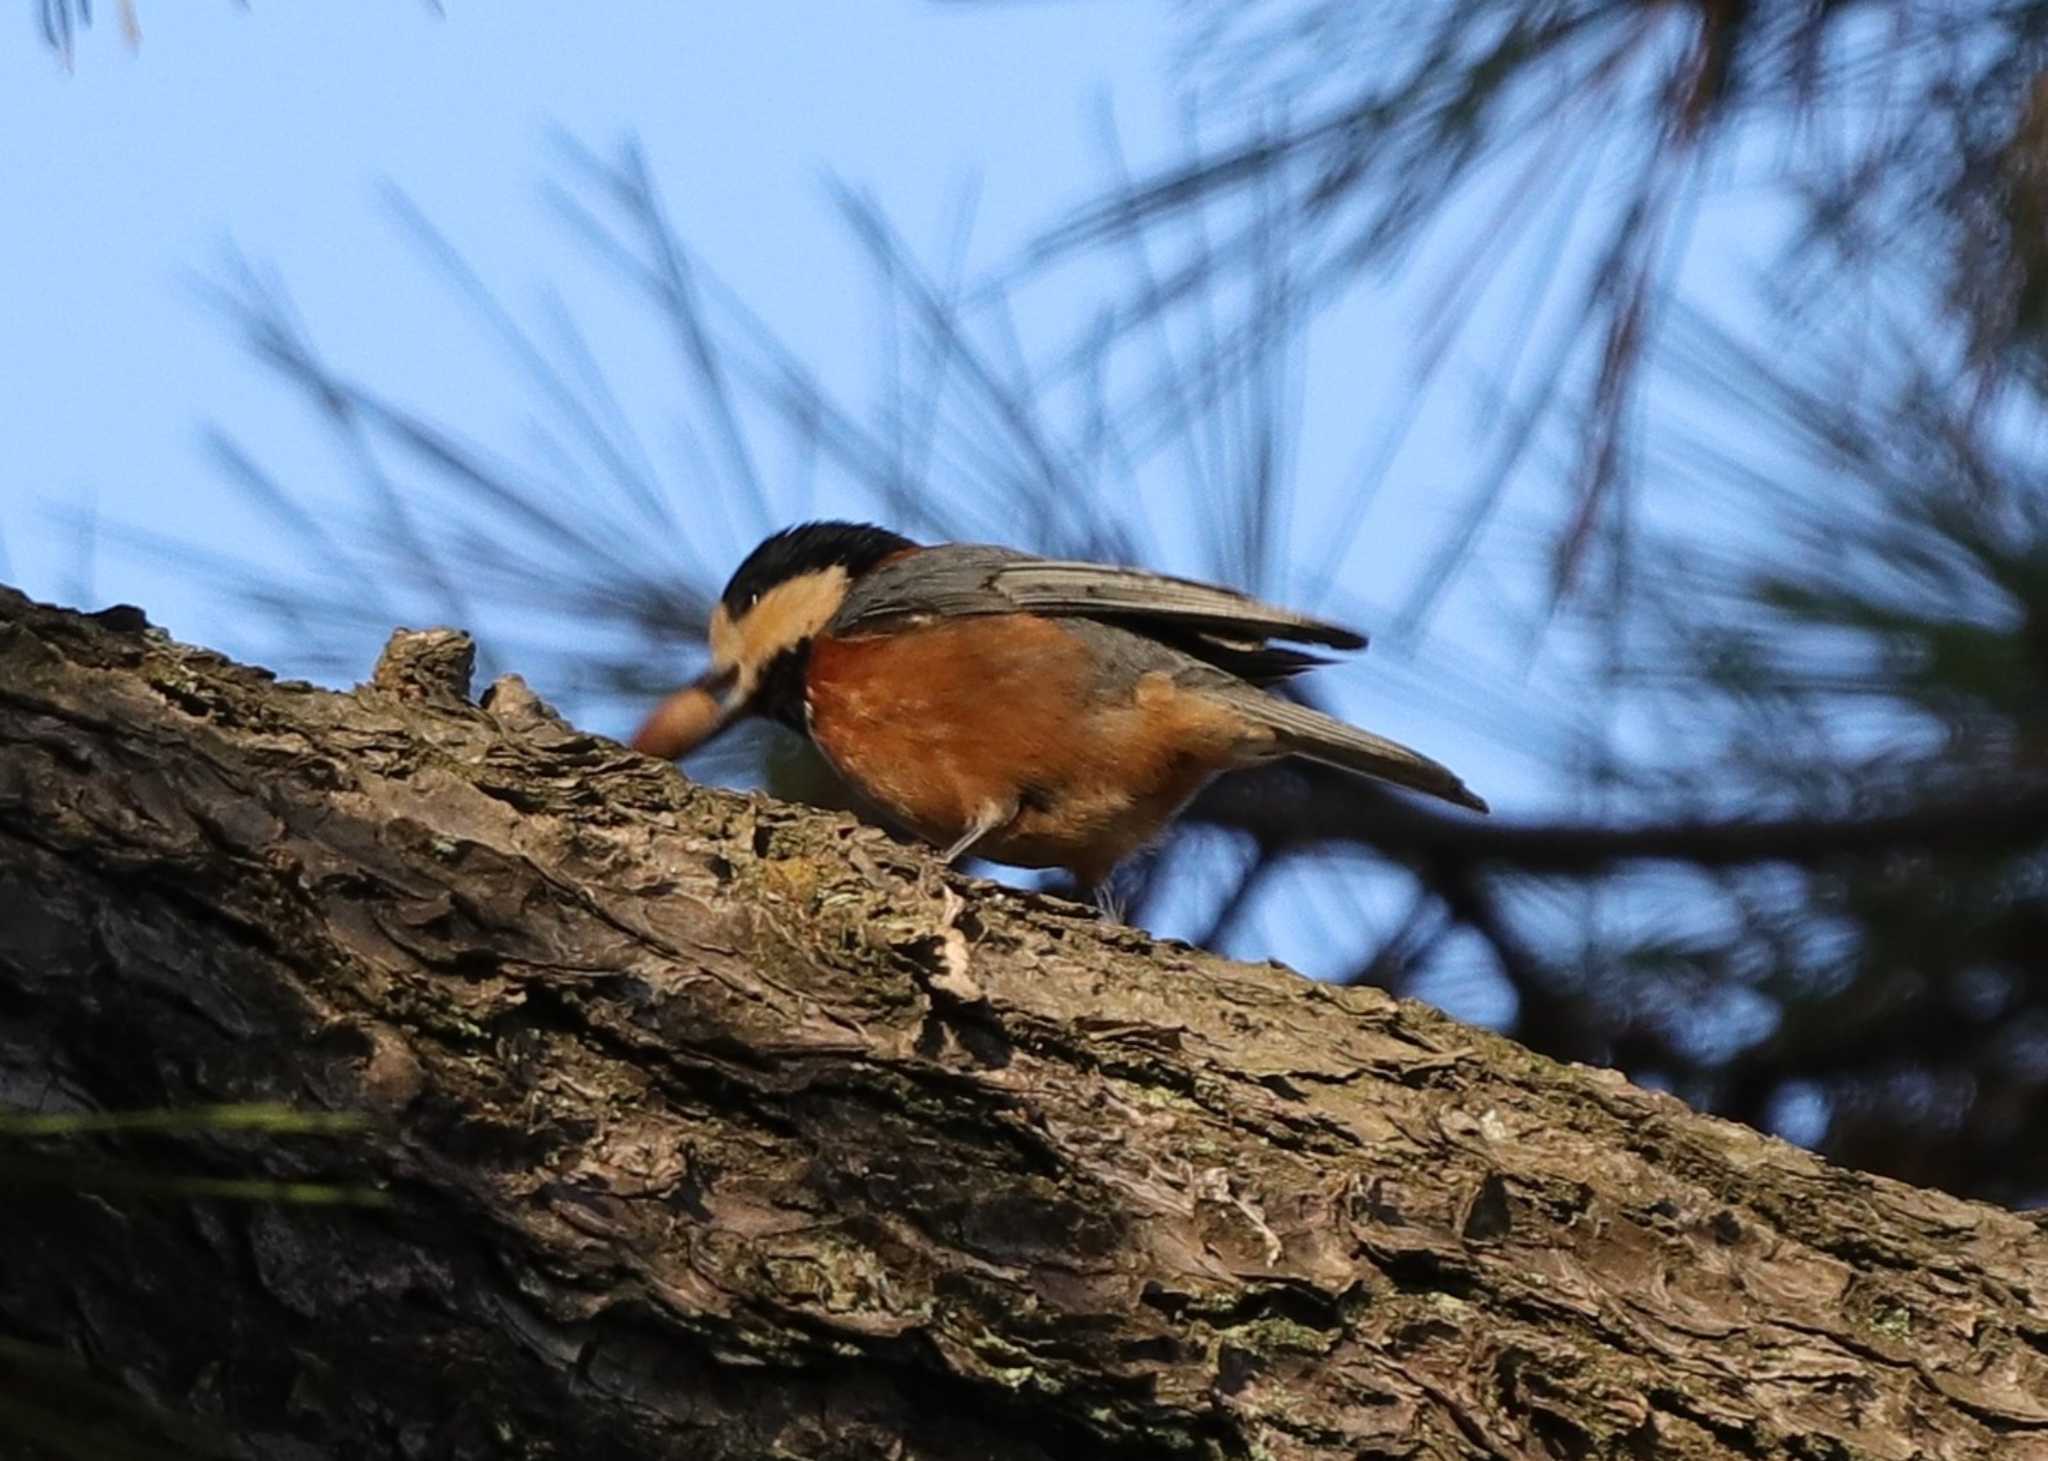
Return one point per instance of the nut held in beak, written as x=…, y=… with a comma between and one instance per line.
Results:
x=681, y=723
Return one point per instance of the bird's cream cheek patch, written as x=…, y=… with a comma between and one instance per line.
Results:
x=788, y=614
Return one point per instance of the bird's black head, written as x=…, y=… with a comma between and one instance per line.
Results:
x=761, y=629
x=807, y=548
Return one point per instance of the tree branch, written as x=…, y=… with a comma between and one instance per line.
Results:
x=715, y=1127
x=1307, y=805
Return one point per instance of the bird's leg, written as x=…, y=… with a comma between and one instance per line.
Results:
x=986, y=821
x=1102, y=893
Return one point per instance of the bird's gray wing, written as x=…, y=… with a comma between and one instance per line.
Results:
x=1124, y=656
x=971, y=578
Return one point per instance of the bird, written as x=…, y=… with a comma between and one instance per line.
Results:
x=1030, y=711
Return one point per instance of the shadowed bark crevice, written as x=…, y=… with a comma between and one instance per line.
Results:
x=711, y=1126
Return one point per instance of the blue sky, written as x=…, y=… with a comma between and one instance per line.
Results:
x=274, y=129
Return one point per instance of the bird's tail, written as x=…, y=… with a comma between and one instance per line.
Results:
x=1310, y=733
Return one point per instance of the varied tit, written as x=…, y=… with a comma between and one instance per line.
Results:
x=1029, y=711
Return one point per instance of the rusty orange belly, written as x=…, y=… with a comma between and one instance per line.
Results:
x=1008, y=716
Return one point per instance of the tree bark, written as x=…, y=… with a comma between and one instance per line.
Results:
x=716, y=1127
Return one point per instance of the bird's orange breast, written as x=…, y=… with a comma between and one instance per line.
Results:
x=943, y=723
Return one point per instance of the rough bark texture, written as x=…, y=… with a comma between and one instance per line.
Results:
x=720, y=1128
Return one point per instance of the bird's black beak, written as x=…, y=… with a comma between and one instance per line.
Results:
x=692, y=715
